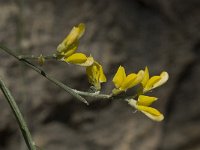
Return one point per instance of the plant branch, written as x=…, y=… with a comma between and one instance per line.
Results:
x=94, y=95
x=21, y=122
x=73, y=92
x=48, y=57
x=41, y=72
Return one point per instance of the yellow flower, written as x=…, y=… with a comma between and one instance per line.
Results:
x=66, y=51
x=123, y=82
x=153, y=82
x=96, y=75
x=143, y=103
x=70, y=43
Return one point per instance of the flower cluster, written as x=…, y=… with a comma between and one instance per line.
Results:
x=66, y=51
x=143, y=102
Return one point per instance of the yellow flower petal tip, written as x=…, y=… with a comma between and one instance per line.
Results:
x=146, y=76
x=96, y=75
x=164, y=77
x=119, y=77
x=123, y=82
x=75, y=34
x=152, y=113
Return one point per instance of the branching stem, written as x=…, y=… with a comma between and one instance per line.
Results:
x=73, y=92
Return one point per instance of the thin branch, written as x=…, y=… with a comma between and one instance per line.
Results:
x=41, y=72
x=94, y=95
x=21, y=122
x=73, y=92
x=48, y=57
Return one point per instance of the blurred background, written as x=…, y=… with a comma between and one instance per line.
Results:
x=163, y=35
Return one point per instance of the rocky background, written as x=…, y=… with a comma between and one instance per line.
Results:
x=164, y=35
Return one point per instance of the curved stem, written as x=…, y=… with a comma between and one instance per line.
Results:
x=21, y=122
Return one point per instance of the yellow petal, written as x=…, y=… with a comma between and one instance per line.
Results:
x=92, y=73
x=61, y=47
x=146, y=77
x=66, y=51
x=129, y=80
x=95, y=74
x=145, y=100
x=88, y=62
x=102, y=77
x=164, y=77
x=138, y=79
x=70, y=50
x=151, y=83
x=75, y=34
x=76, y=58
x=119, y=77
x=150, y=112
x=81, y=27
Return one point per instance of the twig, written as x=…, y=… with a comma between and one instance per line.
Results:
x=73, y=92
x=41, y=72
x=48, y=57
x=94, y=95
x=21, y=122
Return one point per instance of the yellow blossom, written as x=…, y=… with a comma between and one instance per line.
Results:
x=153, y=82
x=123, y=82
x=70, y=43
x=143, y=103
x=66, y=51
x=96, y=75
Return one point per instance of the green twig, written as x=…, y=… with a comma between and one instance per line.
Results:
x=21, y=122
x=75, y=93
x=48, y=57
x=41, y=72
x=94, y=95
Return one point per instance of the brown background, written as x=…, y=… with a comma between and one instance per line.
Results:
x=164, y=35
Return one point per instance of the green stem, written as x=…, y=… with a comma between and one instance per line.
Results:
x=48, y=57
x=94, y=95
x=73, y=92
x=21, y=122
x=41, y=72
